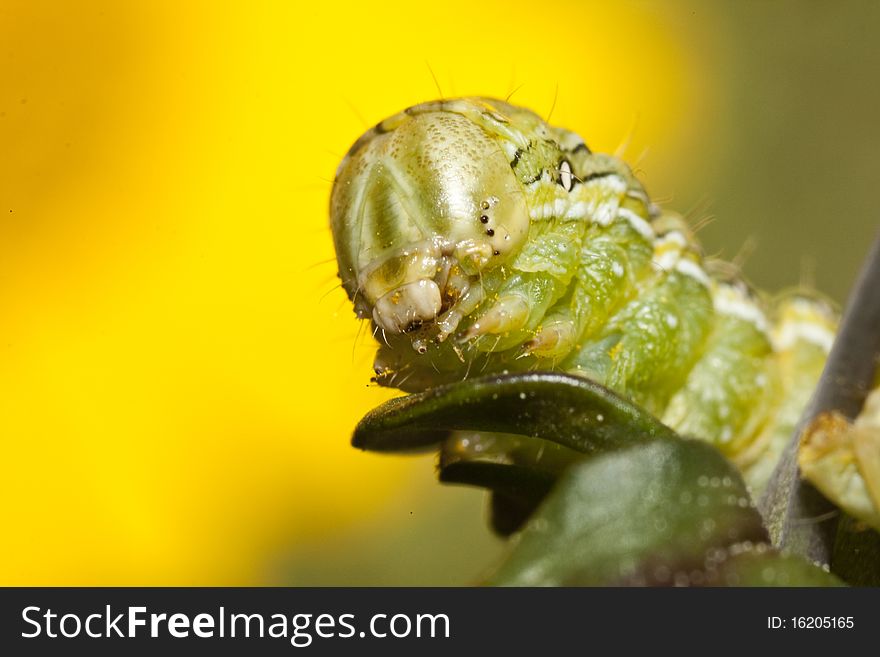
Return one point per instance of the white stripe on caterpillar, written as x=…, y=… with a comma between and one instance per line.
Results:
x=731, y=301
x=637, y=222
x=789, y=332
x=692, y=269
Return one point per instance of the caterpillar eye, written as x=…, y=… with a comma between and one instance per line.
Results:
x=566, y=179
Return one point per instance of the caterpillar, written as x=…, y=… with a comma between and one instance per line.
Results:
x=477, y=238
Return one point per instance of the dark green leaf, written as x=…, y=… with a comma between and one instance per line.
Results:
x=569, y=410
x=650, y=514
x=508, y=514
x=519, y=470
x=856, y=553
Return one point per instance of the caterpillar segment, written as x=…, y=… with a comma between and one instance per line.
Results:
x=646, y=348
x=479, y=239
x=726, y=395
x=802, y=332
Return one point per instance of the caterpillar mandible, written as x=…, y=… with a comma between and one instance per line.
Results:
x=479, y=239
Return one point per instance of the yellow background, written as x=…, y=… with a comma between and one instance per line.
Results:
x=180, y=373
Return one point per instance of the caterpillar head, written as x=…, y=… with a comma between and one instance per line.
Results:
x=423, y=206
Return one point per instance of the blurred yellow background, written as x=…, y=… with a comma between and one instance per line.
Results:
x=179, y=371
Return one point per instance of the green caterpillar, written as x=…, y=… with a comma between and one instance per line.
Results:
x=479, y=239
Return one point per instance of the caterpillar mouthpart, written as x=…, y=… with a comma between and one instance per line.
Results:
x=408, y=307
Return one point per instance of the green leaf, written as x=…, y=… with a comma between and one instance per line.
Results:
x=762, y=566
x=572, y=411
x=855, y=556
x=508, y=514
x=519, y=470
x=654, y=513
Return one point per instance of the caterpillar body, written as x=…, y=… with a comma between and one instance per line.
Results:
x=478, y=239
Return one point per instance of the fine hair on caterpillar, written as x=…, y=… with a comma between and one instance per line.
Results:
x=478, y=238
